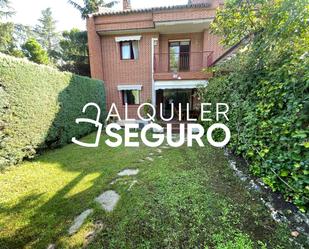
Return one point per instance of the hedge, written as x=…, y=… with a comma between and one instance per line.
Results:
x=38, y=108
x=267, y=88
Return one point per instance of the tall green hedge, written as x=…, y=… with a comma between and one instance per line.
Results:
x=267, y=88
x=38, y=108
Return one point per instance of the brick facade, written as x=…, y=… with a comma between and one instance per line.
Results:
x=105, y=57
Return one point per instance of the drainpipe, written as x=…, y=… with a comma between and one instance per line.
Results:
x=154, y=42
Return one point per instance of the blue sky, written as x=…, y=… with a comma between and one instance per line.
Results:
x=28, y=11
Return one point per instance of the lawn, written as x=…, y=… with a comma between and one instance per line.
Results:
x=185, y=198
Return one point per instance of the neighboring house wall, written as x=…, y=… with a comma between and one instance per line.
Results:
x=212, y=43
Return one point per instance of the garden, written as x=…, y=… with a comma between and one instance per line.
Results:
x=253, y=193
x=180, y=198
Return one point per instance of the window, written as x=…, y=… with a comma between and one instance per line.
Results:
x=179, y=56
x=131, y=97
x=129, y=50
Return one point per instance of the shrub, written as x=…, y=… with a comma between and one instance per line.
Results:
x=38, y=108
x=35, y=52
x=267, y=88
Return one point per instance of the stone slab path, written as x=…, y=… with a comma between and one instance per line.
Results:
x=79, y=220
x=108, y=200
x=128, y=172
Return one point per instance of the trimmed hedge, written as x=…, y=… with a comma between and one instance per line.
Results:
x=38, y=108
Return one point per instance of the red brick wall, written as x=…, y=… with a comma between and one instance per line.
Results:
x=184, y=14
x=121, y=22
x=127, y=72
x=212, y=43
x=95, y=53
x=105, y=52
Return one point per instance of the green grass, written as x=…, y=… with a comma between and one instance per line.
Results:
x=189, y=198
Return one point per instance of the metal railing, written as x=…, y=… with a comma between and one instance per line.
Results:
x=182, y=62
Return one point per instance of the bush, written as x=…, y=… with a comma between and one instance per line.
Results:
x=38, y=108
x=35, y=52
x=267, y=88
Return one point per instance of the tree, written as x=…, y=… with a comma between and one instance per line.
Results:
x=6, y=37
x=34, y=52
x=91, y=6
x=46, y=30
x=5, y=9
x=74, y=52
x=6, y=28
x=22, y=33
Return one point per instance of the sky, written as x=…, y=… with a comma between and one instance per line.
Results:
x=29, y=11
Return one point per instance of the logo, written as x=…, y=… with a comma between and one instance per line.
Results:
x=189, y=128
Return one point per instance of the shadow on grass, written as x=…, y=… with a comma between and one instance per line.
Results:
x=71, y=101
x=50, y=219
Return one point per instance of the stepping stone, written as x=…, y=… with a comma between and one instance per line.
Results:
x=149, y=159
x=151, y=154
x=165, y=147
x=128, y=172
x=79, y=220
x=108, y=200
x=51, y=246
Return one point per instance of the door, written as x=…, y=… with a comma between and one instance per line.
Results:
x=176, y=96
x=179, y=56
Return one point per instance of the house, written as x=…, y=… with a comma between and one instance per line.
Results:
x=153, y=55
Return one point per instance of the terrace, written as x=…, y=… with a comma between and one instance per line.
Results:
x=182, y=65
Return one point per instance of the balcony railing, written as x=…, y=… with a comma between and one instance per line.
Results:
x=182, y=62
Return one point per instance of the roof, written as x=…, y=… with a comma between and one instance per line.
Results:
x=145, y=10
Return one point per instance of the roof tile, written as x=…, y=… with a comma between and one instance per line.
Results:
x=131, y=11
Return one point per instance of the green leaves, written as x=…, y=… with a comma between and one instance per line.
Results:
x=38, y=108
x=91, y=6
x=34, y=52
x=268, y=85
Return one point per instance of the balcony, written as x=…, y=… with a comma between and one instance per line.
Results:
x=183, y=65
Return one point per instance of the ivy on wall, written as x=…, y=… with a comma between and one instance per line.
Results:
x=267, y=87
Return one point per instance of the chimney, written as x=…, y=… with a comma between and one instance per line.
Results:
x=126, y=4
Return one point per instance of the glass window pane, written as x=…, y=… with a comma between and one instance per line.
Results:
x=126, y=50
x=174, y=56
x=131, y=97
x=135, y=49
